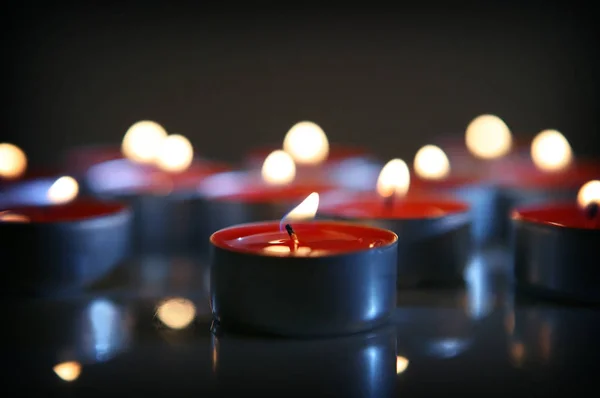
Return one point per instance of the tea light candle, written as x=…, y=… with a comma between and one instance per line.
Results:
x=556, y=247
x=63, y=246
x=239, y=197
x=309, y=147
x=551, y=174
x=434, y=234
x=433, y=175
x=157, y=191
x=299, y=278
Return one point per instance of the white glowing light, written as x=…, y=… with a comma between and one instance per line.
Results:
x=142, y=141
x=488, y=137
x=431, y=163
x=394, y=179
x=589, y=193
x=13, y=161
x=175, y=154
x=279, y=168
x=401, y=364
x=550, y=151
x=64, y=190
x=307, y=210
x=307, y=143
x=176, y=313
x=68, y=371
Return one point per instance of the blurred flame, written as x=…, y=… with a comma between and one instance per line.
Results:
x=394, y=179
x=431, y=163
x=7, y=216
x=279, y=168
x=551, y=151
x=488, y=137
x=176, y=313
x=142, y=141
x=307, y=210
x=401, y=364
x=589, y=193
x=13, y=161
x=517, y=352
x=64, y=190
x=175, y=153
x=68, y=371
x=307, y=143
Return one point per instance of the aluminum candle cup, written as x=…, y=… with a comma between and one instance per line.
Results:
x=159, y=200
x=487, y=218
x=240, y=197
x=555, y=252
x=61, y=247
x=338, y=278
x=434, y=235
x=340, y=367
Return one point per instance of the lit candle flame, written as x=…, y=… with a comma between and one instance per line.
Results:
x=175, y=154
x=488, y=137
x=13, y=161
x=431, y=163
x=68, y=371
x=142, y=141
x=401, y=364
x=176, y=313
x=394, y=179
x=279, y=168
x=8, y=216
x=307, y=210
x=307, y=143
x=589, y=193
x=550, y=151
x=64, y=190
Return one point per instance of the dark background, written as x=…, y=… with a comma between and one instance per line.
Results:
x=232, y=78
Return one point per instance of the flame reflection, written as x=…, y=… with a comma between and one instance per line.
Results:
x=176, y=313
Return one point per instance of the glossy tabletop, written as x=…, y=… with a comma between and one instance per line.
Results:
x=146, y=330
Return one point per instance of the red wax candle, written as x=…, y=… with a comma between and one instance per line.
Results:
x=62, y=246
x=434, y=234
x=314, y=239
x=373, y=206
x=555, y=251
x=333, y=278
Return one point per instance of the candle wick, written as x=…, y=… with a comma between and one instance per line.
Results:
x=293, y=236
x=591, y=210
x=390, y=200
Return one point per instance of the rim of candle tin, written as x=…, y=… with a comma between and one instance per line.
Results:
x=220, y=187
x=529, y=215
x=103, y=210
x=347, y=224
x=331, y=206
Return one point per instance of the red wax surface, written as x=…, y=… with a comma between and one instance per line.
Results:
x=77, y=210
x=249, y=188
x=373, y=206
x=525, y=175
x=567, y=215
x=337, y=153
x=315, y=239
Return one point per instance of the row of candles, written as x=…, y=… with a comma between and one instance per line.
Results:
x=385, y=226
